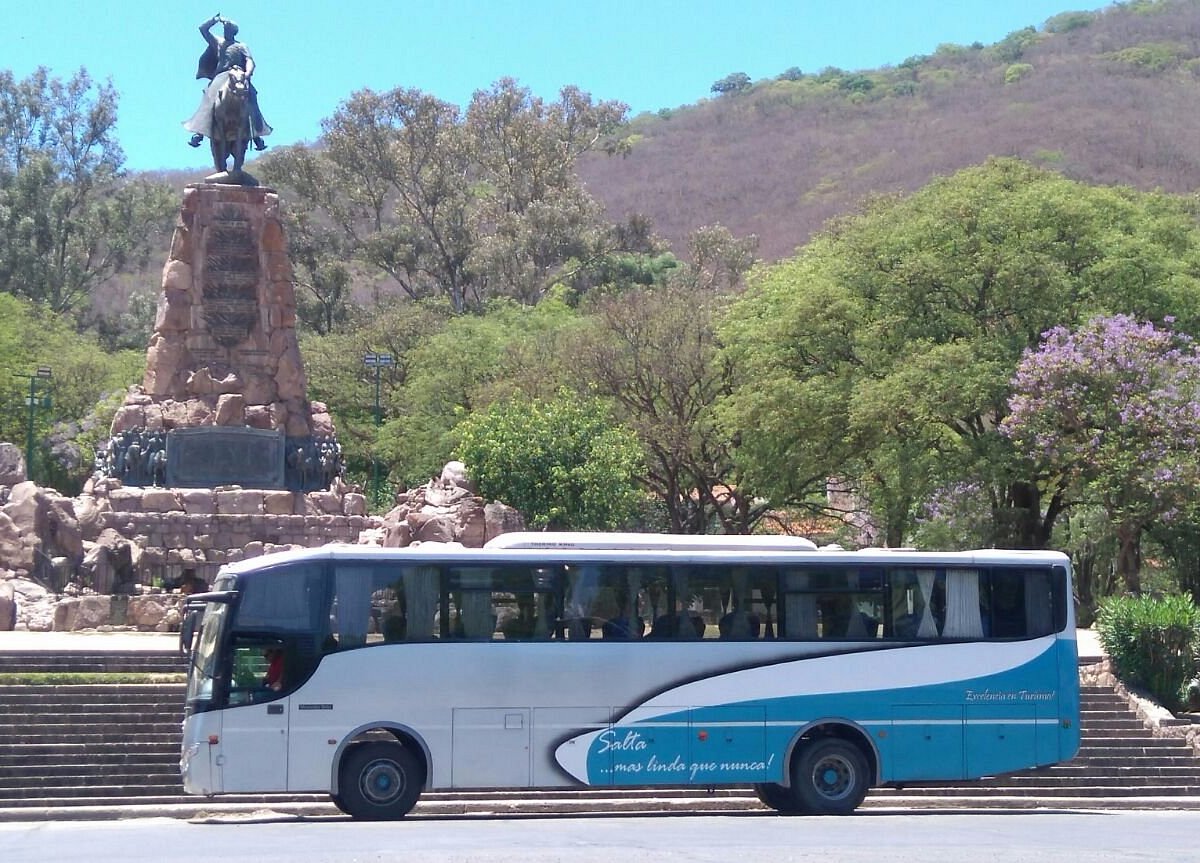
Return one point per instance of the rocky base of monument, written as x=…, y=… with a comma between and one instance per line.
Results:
x=444, y=510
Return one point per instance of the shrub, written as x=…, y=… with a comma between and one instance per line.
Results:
x=1065, y=22
x=1150, y=57
x=1152, y=642
x=1012, y=47
x=1016, y=72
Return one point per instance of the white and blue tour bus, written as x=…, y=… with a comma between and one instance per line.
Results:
x=604, y=660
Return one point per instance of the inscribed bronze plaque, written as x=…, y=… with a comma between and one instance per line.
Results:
x=231, y=275
x=208, y=456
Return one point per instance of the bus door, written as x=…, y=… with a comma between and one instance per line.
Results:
x=490, y=747
x=254, y=747
x=254, y=730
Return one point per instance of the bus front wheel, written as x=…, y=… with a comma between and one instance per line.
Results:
x=830, y=777
x=379, y=781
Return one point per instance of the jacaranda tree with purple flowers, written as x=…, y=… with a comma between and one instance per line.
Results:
x=1115, y=407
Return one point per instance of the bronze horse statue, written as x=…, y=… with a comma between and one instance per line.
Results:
x=230, y=124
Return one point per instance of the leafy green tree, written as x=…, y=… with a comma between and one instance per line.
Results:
x=474, y=360
x=467, y=206
x=1116, y=407
x=338, y=377
x=561, y=462
x=1012, y=47
x=83, y=374
x=69, y=219
x=883, y=353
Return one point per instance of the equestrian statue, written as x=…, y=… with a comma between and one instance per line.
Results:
x=228, y=115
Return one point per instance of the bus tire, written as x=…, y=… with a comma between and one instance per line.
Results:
x=778, y=797
x=829, y=777
x=379, y=781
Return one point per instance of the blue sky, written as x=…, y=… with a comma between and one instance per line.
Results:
x=312, y=54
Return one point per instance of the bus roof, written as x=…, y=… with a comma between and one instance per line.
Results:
x=650, y=541
x=649, y=549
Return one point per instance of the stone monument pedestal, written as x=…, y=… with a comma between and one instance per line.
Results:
x=223, y=399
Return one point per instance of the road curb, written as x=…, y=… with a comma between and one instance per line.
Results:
x=213, y=811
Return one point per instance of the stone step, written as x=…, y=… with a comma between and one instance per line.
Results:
x=125, y=662
x=1113, y=733
x=164, y=692
x=9, y=738
x=1127, y=723
x=80, y=709
x=1104, y=762
x=1159, y=790
x=135, y=787
x=1114, y=713
x=1083, y=776
x=1139, y=749
x=49, y=765
x=167, y=798
x=83, y=780
x=133, y=716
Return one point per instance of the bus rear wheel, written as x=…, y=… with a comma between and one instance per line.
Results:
x=830, y=777
x=379, y=781
x=778, y=797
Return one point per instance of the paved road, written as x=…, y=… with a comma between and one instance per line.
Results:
x=878, y=837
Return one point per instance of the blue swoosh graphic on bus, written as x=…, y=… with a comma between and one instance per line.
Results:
x=944, y=712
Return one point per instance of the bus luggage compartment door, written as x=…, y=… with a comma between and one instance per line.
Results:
x=926, y=742
x=254, y=747
x=490, y=747
x=1000, y=738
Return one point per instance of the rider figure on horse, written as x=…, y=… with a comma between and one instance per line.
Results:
x=222, y=54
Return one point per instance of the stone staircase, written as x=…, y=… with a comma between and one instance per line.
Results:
x=93, y=745
x=117, y=745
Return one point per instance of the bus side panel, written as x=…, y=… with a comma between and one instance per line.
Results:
x=917, y=703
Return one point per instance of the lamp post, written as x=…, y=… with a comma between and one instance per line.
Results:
x=41, y=376
x=377, y=362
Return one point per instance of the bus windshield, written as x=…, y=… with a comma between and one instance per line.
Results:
x=205, y=654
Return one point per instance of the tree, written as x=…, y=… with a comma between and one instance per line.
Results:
x=1116, y=407
x=883, y=353
x=69, y=219
x=467, y=206
x=84, y=374
x=654, y=352
x=735, y=82
x=474, y=360
x=561, y=462
x=338, y=377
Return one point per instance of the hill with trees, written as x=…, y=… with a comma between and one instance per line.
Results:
x=1109, y=97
